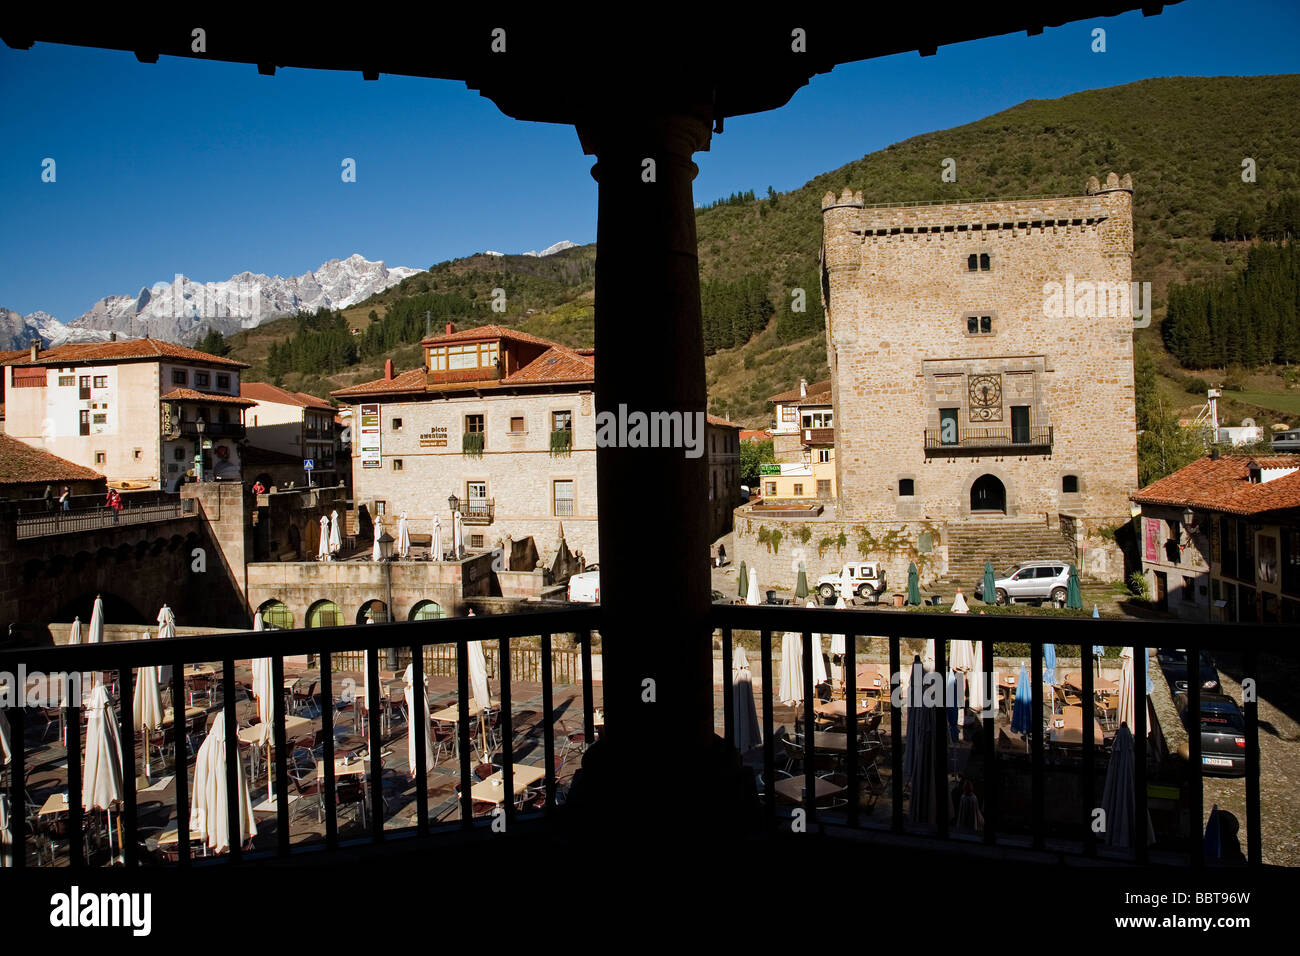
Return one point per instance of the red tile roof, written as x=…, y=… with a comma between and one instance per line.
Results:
x=121, y=351
x=819, y=393
x=1224, y=485
x=266, y=392
x=757, y=434
x=715, y=420
x=558, y=365
x=189, y=395
x=21, y=463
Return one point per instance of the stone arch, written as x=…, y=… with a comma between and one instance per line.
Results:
x=1011, y=505
x=374, y=609
x=275, y=613
x=324, y=613
x=426, y=611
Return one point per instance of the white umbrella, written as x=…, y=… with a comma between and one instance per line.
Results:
x=928, y=657
x=101, y=772
x=751, y=597
x=336, y=539
x=959, y=605
x=5, y=753
x=837, y=640
x=744, y=714
x=977, y=680
x=845, y=586
x=147, y=709
x=95, y=634
x=166, y=622
x=210, y=814
x=258, y=623
x=792, y=666
x=435, y=545
x=417, y=720
x=457, y=533
x=478, y=682
x=323, y=552
x=74, y=633
x=264, y=691
x=403, y=536
x=1126, y=702
x=376, y=554
x=963, y=657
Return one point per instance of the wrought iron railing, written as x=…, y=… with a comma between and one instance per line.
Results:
x=1032, y=439
x=91, y=519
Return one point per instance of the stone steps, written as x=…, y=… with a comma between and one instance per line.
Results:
x=1005, y=543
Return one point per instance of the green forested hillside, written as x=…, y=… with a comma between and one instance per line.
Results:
x=1184, y=140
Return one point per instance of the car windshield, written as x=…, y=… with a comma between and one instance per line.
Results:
x=1178, y=655
x=1011, y=573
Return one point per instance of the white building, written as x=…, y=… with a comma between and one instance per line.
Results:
x=143, y=412
x=293, y=423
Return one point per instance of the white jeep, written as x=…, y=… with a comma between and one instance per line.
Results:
x=866, y=579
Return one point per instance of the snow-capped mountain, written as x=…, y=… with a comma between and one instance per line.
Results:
x=551, y=250
x=183, y=310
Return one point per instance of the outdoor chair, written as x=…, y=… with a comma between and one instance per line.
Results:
x=198, y=687
x=574, y=741
x=762, y=788
x=443, y=737
x=310, y=789
x=871, y=730
x=350, y=793
x=305, y=701
x=485, y=770
x=479, y=808
x=794, y=754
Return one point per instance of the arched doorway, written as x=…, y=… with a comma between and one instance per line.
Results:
x=276, y=613
x=426, y=611
x=374, y=610
x=988, y=495
x=324, y=614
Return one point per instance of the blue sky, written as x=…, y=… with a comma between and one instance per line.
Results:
x=209, y=169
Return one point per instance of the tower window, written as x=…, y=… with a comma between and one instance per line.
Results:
x=1070, y=484
x=979, y=324
x=906, y=487
x=984, y=262
x=972, y=262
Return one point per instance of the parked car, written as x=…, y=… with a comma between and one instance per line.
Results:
x=1173, y=664
x=1287, y=441
x=866, y=578
x=584, y=588
x=1031, y=581
x=1223, y=733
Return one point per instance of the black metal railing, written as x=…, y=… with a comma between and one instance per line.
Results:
x=124, y=658
x=91, y=519
x=1032, y=439
x=478, y=510
x=1000, y=828
x=214, y=429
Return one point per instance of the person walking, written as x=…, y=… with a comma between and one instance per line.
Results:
x=65, y=499
x=49, y=497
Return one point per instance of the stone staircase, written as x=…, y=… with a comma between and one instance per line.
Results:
x=1004, y=541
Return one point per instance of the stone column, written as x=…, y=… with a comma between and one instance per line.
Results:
x=653, y=502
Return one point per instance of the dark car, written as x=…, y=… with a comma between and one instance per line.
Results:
x=1223, y=734
x=1173, y=664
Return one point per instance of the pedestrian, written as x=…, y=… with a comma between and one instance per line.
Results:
x=65, y=499
x=49, y=497
x=722, y=555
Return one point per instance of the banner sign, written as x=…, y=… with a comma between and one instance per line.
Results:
x=370, y=436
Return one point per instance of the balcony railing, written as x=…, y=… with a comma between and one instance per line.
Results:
x=478, y=510
x=1008, y=822
x=817, y=436
x=91, y=519
x=1032, y=440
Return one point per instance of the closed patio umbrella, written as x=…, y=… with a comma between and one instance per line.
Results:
x=323, y=552
x=74, y=633
x=1127, y=701
x=742, y=581
x=147, y=707
x=969, y=817
x=838, y=645
x=478, y=683
x=990, y=585
x=962, y=656
x=1119, y=793
x=1073, y=596
x=166, y=622
x=457, y=534
x=336, y=536
x=913, y=585
x=210, y=814
x=376, y=553
x=95, y=633
x=745, y=714
x=919, y=756
x=959, y=605
x=1049, y=664
x=928, y=657
x=417, y=721
x=435, y=543
x=1020, y=713
x=801, y=586
x=751, y=596
x=403, y=536
x=101, y=780
x=981, y=696
x=792, y=666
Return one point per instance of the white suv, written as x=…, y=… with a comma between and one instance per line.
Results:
x=1031, y=581
x=866, y=578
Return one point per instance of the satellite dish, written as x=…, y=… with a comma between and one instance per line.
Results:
x=1248, y=423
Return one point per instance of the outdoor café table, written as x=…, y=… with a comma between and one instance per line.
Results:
x=292, y=726
x=199, y=670
x=57, y=803
x=838, y=709
x=492, y=790
x=1071, y=729
x=356, y=768
x=190, y=713
x=872, y=680
x=832, y=742
x=791, y=788
x=451, y=715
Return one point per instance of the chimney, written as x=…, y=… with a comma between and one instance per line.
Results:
x=35, y=349
x=803, y=388
x=112, y=336
x=450, y=328
x=388, y=370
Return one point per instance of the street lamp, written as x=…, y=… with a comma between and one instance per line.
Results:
x=386, y=556
x=453, y=502
x=199, y=425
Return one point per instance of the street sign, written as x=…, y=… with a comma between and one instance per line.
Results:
x=308, y=464
x=769, y=469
